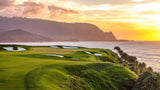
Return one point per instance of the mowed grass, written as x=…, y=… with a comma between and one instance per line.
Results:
x=32, y=70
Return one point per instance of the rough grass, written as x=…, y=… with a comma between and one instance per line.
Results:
x=95, y=76
x=30, y=70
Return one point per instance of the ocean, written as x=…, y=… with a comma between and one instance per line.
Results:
x=148, y=52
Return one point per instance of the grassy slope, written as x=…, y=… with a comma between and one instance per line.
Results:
x=30, y=70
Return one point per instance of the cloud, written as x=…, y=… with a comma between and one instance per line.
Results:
x=113, y=2
x=6, y=3
x=58, y=11
x=149, y=13
x=97, y=2
x=65, y=0
x=35, y=9
x=32, y=8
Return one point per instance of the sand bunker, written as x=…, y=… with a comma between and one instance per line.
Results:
x=14, y=49
x=70, y=47
x=97, y=54
x=55, y=47
x=65, y=47
x=54, y=55
x=87, y=52
x=90, y=53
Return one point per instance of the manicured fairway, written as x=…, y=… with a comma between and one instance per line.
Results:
x=77, y=70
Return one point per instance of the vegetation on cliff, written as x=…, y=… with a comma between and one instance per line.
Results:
x=148, y=79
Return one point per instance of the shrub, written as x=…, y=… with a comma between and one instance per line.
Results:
x=15, y=48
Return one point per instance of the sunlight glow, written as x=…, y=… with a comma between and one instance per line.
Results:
x=145, y=7
x=139, y=16
x=20, y=1
x=137, y=0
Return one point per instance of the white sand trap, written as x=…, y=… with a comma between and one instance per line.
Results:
x=65, y=47
x=96, y=54
x=54, y=55
x=11, y=49
x=54, y=47
x=88, y=52
x=70, y=47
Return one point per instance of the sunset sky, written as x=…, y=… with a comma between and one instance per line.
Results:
x=127, y=19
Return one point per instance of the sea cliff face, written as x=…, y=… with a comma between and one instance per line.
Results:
x=57, y=31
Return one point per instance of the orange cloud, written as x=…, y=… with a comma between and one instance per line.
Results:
x=6, y=3
x=60, y=12
x=32, y=8
x=65, y=0
x=149, y=13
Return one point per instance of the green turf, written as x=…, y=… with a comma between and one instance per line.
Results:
x=31, y=70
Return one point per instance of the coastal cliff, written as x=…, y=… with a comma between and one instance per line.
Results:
x=57, y=31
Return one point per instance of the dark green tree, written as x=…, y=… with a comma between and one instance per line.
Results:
x=149, y=69
x=117, y=48
x=125, y=56
x=15, y=48
x=132, y=59
x=1, y=48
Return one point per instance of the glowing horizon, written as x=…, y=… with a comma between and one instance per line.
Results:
x=127, y=19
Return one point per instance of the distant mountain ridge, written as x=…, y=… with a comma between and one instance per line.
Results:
x=19, y=35
x=110, y=36
x=57, y=31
